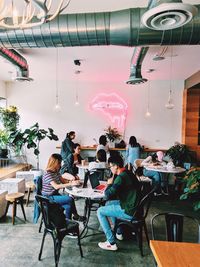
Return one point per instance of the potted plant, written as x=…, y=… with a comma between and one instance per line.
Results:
x=192, y=187
x=112, y=134
x=179, y=154
x=10, y=118
x=4, y=140
x=34, y=135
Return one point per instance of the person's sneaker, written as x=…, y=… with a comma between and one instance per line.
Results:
x=119, y=237
x=79, y=218
x=107, y=246
x=156, y=194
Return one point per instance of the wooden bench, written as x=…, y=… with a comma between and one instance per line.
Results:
x=10, y=171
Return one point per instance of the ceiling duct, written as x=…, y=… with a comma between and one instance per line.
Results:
x=168, y=14
x=121, y=27
x=17, y=60
x=136, y=64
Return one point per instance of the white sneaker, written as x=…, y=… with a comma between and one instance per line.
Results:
x=107, y=246
x=119, y=237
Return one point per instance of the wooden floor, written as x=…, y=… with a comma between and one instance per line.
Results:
x=10, y=171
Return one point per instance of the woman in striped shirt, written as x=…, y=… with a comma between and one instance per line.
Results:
x=52, y=181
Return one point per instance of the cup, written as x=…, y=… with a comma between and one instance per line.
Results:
x=83, y=162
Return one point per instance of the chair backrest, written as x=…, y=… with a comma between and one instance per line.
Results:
x=144, y=202
x=38, y=184
x=137, y=163
x=52, y=213
x=174, y=227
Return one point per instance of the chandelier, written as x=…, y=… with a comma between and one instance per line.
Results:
x=15, y=14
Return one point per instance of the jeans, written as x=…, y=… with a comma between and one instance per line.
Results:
x=66, y=202
x=155, y=176
x=112, y=210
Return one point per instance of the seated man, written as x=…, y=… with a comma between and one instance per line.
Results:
x=123, y=190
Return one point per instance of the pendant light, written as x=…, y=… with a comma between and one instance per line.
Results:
x=57, y=106
x=169, y=104
x=77, y=72
x=148, y=113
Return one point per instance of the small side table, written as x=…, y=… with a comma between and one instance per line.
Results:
x=15, y=198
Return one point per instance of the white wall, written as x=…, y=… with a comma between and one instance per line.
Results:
x=2, y=89
x=35, y=102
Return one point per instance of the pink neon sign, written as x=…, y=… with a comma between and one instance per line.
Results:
x=113, y=106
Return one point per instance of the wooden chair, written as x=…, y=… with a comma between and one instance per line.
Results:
x=30, y=186
x=15, y=198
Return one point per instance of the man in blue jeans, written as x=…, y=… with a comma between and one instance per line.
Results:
x=123, y=190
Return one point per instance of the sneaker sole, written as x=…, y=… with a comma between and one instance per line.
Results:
x=108, y=248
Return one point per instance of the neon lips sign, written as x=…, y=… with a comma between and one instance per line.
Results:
x=113, y=106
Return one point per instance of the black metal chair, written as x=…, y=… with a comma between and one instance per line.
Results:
x=174, y=229
x=56, y=225
x=138, y=223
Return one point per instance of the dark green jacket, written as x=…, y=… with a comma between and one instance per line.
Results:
x=125, y=188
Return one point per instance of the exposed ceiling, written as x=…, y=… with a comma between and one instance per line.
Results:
x=106, y=63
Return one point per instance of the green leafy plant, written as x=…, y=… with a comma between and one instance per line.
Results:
x=10, y=118
x=34, y=135
x=192, y=187
x=179, y=154
x=4, y=139
x=112, y=134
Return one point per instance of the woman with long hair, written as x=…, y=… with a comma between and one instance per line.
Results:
x=52, y=182
x=68, y=145
x=133, y=150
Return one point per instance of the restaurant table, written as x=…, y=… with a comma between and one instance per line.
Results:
x=90, y=195
x=175, y=254
x=167, y=171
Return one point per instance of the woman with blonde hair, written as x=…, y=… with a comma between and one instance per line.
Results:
x=52, y=181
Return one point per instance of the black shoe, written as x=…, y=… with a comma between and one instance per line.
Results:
x=79, y=218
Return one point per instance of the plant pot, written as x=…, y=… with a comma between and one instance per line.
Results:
x=3, y=153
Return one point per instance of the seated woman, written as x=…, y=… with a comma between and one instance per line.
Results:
x=52, y=181
x=100, y=162
x=156, y=176
x=69, y=169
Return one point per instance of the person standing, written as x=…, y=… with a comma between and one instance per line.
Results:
x=124, y=189
x=69, y=170
x=68, y=145
x=133, y=150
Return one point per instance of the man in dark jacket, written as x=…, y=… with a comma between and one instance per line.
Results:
x=124, y=188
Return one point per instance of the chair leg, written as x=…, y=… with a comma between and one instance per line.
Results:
x=28, y=196
x=22, y=207
x=41, y=222
x=57, y=249
x=42, y=244
x=14, y=212
x=79, y=243
x=146, y=233
x=140, y=241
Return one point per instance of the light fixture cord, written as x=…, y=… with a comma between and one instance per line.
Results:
x=56, y=76
x=170, y=85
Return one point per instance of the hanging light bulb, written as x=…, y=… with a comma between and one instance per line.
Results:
x=76, y=101
x=169, y=104
x=77, y=72
x=148, y=113
x=57, y=106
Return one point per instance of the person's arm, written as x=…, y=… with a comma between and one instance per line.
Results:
x=61, y=186
x=146, y=161
x=113, y=187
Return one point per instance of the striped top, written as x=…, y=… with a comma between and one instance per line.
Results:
x=47, y=178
